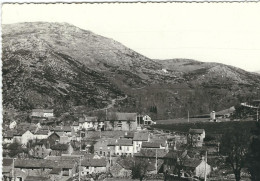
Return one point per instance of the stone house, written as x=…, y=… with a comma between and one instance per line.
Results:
x=121, y=121
x=196, y=167
x=41, y=149
x=42, y=167
x=121, y=169
x=43, y=113
x=93, y=165
x=196, y=137
x=105, y=147
x=139, y=138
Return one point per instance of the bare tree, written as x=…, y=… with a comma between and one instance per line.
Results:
x=235, y=145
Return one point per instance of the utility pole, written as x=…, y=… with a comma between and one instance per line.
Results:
x=205, y=175
x=79, y=167
x=257, y=115
x=188, y=116
x=156, y=160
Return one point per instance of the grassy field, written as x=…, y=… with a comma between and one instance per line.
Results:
x=210, y=127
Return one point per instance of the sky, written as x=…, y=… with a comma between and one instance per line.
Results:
x=227, y=33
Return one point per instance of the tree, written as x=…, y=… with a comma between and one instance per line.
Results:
x=235, y=145
x=138, y=166
x=254, y=154
x=113, y=118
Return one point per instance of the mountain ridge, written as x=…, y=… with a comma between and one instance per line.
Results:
x=53, y=64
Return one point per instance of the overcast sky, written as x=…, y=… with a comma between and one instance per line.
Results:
x=211, y=32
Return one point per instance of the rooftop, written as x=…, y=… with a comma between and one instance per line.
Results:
x=94, y=162
x=191, y=162
x=196, y=131
x=122, y=116
x=141, y=136
x=37, y=178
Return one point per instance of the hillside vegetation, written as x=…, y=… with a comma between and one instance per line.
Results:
x=60, y=66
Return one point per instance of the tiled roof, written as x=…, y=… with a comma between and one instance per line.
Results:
x=196, y=131
x=151, y=153
x=43, y=110
x=44, y=163
x=94, y=162
x=150, y=145
x=124, y=142
x=61, y=129
x=63, y=147
x=191, y=162
x=8, y=134
x=129, y=135
x=37, y=178
x=30, y=163
x=122, y=116
x=42, y=132
x=87, y=119
x=55, y=171
x=141, y=136
x=7, y=161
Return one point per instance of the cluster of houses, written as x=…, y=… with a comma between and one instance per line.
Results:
x=57, y=153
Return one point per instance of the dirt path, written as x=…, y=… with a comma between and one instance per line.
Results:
x=111, y=105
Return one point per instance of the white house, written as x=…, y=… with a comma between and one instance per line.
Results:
x=148, y=120
x=196, y=167
x=23, y=136
x=124, y=147
x=88, y=123
x=45, y=113
x=12, y=124
x=139, y=138
x=41, y=134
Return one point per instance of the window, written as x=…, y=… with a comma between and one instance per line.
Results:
x=120, y=147
x=127, y=148
x=198, y=138
x=100, y=152
x=87, y=167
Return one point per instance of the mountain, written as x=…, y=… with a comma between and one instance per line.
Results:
x=257, y=71
x=60, y=66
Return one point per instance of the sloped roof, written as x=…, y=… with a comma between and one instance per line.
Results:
x=124, y=142
x=43, y=110
x=37, y=178
x=63, y=147
x=196, y=131
x=191, y=162
x=150, y=145
x=151, y=153
x=122, y=116
x=7, y=161
x=94, y=162
x=55, y=171
x=8, y=134
x=41, y=132
x=141, y=136
x=129, y=134
x=31, y=163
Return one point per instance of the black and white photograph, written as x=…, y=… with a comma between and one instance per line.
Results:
x=142, y=91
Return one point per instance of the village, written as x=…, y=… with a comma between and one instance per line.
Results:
x=96, y=149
